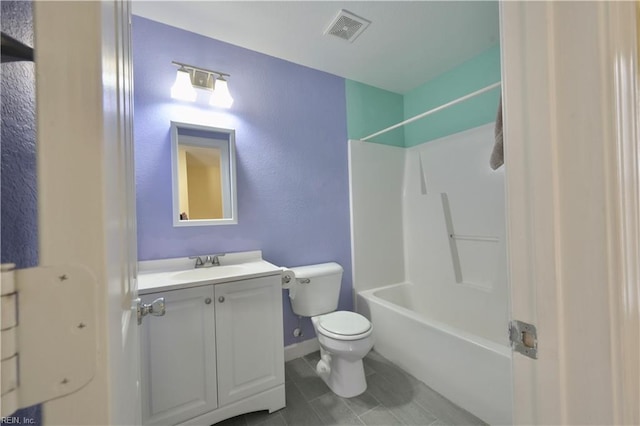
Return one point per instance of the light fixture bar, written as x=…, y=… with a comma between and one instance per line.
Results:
x=190, y=77
x=200, y=69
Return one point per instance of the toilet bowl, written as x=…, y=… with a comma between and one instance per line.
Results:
x=344, y=337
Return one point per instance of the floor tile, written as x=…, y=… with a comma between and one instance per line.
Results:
x=233, y=421
x=263, y=418
x=380, y=416
x=298, y=411
x=312, y=388
x=402, y=380
x=367, y=369
x=293, y=395
x=298, y=369
x=439, y=422
x=313, y=358
x=393, y=397
x=362, y=403
x=387, y=393
x=333, y=410
x=308, y=382
x=445, y=410
x=412, y=414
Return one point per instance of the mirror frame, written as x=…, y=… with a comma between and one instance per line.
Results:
x=175, y=208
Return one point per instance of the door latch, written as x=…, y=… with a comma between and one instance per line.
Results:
x=524, y=338
x=156, y=308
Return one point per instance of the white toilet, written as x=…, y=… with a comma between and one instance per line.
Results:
x=344, y=337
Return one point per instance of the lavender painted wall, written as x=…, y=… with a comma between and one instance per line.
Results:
x=18, y=178
x=19, y=220
x=291, y=143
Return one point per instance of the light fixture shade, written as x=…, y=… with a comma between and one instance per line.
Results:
x=182, y=88
x=221, y=96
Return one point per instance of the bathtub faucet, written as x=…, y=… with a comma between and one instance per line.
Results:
x=207, y=261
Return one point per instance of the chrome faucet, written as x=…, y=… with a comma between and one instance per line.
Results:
x=215, y=261
x=207, y=261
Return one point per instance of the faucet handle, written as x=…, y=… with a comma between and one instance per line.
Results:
x=199, y=261
x=214, y=258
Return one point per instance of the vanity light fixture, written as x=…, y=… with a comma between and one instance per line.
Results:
x=221, y=96
x=182, y=88
x=190, y=78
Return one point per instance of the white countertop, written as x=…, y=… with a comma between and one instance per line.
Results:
x=177, y=273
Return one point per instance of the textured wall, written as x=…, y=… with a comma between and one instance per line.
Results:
x=19, y=235
x=291, y=137
x=474, y=74
x=19, y=198
x=370, y=109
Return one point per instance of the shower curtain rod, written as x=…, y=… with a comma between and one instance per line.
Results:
x=431, y=111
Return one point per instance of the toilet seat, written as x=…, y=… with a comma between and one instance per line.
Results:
x=344, y=325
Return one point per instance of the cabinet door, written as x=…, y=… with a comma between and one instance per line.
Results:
x=178, y=357
x=249, y=337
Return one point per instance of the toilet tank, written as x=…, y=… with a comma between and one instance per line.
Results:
x=320, y=294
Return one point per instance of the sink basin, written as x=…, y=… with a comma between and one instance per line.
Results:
x=173, y=274
x=211, y=273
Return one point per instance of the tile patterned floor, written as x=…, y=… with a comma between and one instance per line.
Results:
x=393, y=397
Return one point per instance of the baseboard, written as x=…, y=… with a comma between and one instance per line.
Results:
x=301, y=349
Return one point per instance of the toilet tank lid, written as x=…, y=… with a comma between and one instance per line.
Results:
x=319, y=270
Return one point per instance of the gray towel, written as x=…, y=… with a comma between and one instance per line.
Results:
x=497, y=156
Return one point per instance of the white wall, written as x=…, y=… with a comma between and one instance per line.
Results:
x=400, y=231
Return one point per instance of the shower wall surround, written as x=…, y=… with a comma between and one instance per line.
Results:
x=291, y=153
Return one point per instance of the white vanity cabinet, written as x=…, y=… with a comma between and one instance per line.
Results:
x=178, y=356
x=249, y=338
x=216, y=353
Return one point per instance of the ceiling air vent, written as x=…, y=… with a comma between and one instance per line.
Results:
x=347, y=26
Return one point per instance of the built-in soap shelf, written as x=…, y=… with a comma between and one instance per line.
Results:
x=473, y=256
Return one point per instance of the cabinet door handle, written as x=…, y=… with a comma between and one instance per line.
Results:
x=207, y=300
x=221, y=299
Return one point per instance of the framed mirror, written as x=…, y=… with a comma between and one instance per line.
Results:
x=204, y=175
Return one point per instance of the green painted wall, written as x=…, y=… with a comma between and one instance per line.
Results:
x=478, y=72
x=370, y=109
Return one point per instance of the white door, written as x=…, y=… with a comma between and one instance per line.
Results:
x=178, y=357
x=86, y=188
x=249, y=316
x=571, y=156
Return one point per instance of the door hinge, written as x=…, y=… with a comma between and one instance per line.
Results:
x=156, y=308
x=48, y=331
x=524, y=338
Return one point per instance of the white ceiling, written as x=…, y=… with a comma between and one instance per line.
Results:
x=407, y=43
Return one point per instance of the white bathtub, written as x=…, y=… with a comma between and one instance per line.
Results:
x=469, y=370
